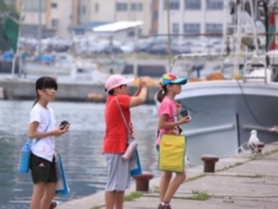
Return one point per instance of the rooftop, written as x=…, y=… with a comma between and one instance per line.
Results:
x=117, y=26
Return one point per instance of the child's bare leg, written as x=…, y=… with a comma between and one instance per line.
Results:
x=38, y=192
x=173, y=186
x=110, y=198
x=49, y=194
x=164, y=183
x=119, y=202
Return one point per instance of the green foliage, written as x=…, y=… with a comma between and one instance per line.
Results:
x=196, y=177
x=96, y=207
x=133, y=196
x=198, y=195
x=6, y=10
x=231, y=166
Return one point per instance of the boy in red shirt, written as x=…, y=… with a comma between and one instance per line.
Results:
x=116, y=136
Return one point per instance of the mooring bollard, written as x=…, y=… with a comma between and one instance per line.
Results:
x=209, y=163
x=142, y=181
x=260, y=147
x=256, y=148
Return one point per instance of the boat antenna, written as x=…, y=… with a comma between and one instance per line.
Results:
x=39, y=32
x=266, y=19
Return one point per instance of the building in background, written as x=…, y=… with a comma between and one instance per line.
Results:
x=155, y=15
x=193, y=16
x=10, y=1
x=117, y=10
x=60, y=17
x=57, y=17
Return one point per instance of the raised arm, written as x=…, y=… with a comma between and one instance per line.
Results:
x=140, y=96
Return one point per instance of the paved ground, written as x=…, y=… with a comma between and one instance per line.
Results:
x=239, y=183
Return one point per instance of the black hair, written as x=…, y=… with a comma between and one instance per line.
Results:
x=45, y=82
x=161, y=93
x=111, y=92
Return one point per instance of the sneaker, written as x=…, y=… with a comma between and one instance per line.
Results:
x=164, y=206
x=160, y=206
x=53, y=205
x=167, y=206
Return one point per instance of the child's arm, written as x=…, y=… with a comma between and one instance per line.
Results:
x=162, y=123
x=142, y=83
x=34, y=134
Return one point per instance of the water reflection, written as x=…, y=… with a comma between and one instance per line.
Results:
x=80, y=148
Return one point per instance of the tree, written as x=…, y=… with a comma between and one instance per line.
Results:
x=6, y=10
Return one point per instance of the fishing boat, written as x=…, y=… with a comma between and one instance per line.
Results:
x=224, y=111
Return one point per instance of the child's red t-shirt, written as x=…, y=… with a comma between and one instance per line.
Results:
x=116, y=134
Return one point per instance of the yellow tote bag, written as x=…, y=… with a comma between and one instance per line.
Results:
x=171, y=153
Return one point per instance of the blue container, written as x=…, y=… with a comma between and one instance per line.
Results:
x=62, y=187
x=24, y=161
x=137, y=170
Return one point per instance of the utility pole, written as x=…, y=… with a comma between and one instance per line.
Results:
x=17, y=54
x=135, y=64
x=40, y=27
x=72, y=22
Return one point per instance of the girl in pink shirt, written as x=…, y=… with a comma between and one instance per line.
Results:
x=169, y=123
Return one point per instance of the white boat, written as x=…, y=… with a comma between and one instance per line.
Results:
x=87, y=72
x=225, y=111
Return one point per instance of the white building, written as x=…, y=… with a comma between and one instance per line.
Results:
x=57, y=16
x=115, y=11
x=194, y=16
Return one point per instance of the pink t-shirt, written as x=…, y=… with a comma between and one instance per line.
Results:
x=167, y=107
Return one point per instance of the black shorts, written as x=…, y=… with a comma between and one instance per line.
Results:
x=42, y=170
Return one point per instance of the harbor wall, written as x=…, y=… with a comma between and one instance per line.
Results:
x=25, y=90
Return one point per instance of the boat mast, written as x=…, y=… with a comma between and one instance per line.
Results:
x=169, y=33
x=242, y=27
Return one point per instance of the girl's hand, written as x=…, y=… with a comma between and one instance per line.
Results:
x=142, y=82
x=58, y=131
x=185, y=120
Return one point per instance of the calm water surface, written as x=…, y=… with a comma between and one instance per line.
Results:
x=80, y=148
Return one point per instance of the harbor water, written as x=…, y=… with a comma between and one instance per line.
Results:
x=84, y=163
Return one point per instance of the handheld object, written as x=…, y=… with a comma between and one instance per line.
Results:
x=185, y=113
x=62, y=187
x=130, y=149
x=24, y=161
x=63, y=124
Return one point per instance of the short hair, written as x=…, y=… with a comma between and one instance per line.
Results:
x=111, y=92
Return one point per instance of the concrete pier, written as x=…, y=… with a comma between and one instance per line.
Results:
x=240, y=182
x=20, y=89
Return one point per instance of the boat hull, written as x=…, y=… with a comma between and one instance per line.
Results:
x=224, y=113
